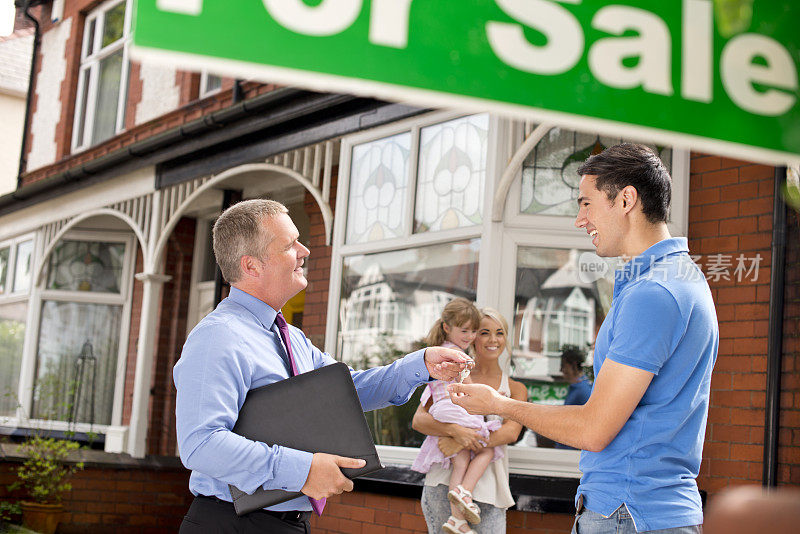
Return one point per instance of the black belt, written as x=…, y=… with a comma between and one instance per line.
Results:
x=290, y=515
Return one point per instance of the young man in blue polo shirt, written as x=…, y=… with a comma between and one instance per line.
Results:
x=643, y=427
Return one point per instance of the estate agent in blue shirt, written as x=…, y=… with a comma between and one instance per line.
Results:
x=237, y=347
x=643, y=426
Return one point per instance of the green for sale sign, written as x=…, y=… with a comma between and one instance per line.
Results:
x=713, y=75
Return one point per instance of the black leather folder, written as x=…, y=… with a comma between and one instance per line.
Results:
x=318, y=411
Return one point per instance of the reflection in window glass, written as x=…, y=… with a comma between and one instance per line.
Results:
x=559, y=299
x=108, y=94
x=77, y=362
x=452, y=172
x=389, y=301
x=86, y=266
x=22, y=269
x=549, y=177
x=4, y=253
x=113, y=24
x=12, y=335
x=378, y=189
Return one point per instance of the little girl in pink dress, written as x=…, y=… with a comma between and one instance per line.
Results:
x=456, y=330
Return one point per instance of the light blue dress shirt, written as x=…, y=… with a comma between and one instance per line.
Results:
x=237, y=348
x=662, y=320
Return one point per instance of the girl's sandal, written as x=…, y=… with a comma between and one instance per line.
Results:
x=455, y=526
x=469, y=509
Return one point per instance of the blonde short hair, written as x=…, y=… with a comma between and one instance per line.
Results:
x=240, y=231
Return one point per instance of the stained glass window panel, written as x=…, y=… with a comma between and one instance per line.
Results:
x=86, y=266
x=378, y=189
x=549, y=173
x=451, y=174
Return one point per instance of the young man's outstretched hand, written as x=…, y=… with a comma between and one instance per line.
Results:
x=477, y=399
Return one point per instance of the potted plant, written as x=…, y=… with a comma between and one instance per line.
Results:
x=44, y=475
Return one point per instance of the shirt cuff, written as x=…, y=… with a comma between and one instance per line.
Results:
x=415, y=372
x=291, y=470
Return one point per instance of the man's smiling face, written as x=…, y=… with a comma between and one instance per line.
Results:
x=600, y=217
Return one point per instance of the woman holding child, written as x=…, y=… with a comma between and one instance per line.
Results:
x=471, y=463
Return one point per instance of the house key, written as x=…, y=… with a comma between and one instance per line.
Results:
x=463, y=375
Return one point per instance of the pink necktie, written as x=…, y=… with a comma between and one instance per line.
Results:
x=283, y=328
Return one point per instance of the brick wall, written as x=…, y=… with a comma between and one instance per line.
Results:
x=730, y=213
x=107, y=500
x=368, y=513
x=789, y=436
x=161, y=439
x=190, y=108
x=315, y=313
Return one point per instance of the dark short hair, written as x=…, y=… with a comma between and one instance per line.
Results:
x=573, y=354
x=636, y=165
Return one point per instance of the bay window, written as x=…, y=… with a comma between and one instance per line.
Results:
x=413, y=230
x=74, y=372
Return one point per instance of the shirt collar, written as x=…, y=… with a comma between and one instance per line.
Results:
x=260, y=309
x=639, y=265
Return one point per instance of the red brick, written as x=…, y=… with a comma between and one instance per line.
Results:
x=750, y=381
x=756, y=172
x=761, y=241
x=413, y=522
x=752, y=417
x=704, y=196
x=385, y=517
x=705, y=164
x=720, y=178
x=755, y=206
x=717, y=450
x=731, y=398
x=738, y=294
x=719, y=211
x=745, y=452
x=731, y=468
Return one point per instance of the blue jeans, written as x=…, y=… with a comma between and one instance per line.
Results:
x=620, y=522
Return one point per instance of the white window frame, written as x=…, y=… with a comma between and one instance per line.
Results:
x=10, y=295
x=203, y=92
x=39, y=294
x=498, y=251
x=91, y=63
x=13, y=297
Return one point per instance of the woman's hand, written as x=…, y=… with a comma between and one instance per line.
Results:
x=449, y=446
x=466, y=438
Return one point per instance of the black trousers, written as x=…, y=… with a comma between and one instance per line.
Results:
x=209, y=515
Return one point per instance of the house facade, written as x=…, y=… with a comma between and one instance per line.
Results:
x=106, y=265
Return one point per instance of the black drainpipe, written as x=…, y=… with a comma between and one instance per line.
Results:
x=775, y=341
x=238, y=94
x=36, y=43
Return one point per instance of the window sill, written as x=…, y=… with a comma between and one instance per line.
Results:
x=532, y=493
x=101, y=459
